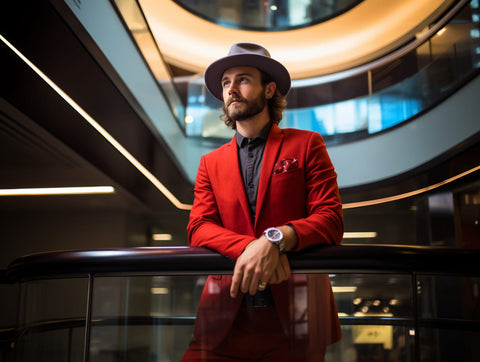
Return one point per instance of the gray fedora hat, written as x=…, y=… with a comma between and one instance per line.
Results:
x=246, y=54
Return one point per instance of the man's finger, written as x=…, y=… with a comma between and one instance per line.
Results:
x=254, y=284
x=285, y=265
x=236, y=280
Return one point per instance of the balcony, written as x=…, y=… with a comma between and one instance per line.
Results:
x=395, y=303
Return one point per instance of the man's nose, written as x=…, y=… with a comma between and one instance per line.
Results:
x=232, y=88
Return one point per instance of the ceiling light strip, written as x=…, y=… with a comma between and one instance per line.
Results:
x=101, y=130
x=40, y=191
x=360, y=235
x=409, y=194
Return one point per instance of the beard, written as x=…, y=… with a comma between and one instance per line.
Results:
x=248, y=109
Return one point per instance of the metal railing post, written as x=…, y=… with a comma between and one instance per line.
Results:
x=88, y=319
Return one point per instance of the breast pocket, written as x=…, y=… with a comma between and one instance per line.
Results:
x=287, y=193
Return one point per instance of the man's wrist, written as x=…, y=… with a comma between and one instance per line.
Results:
x=290, y=237
x=275, y=237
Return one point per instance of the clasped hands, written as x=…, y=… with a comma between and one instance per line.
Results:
x=259, y=264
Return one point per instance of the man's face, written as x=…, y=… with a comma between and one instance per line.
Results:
x=243, y=93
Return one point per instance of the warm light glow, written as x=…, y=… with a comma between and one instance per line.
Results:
x=360, y=314
x=360, y=235
x=161, y=291
x=57, y=191
x=101, y=130
x=352, y=205
x=344, y=289
x=356, y=37
x=162, y=237
x=441, y=31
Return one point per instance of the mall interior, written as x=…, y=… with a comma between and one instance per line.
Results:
x=104, y=116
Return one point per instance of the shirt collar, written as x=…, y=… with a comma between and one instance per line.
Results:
x=241, y=140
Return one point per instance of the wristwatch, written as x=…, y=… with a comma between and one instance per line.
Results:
x=275, y=236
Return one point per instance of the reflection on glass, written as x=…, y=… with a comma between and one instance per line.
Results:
x=144, y=318
x=52, y=320
x=151, y=318
x=367, y=343
x=439, y=344
x=387, y=296
x=267, y=15
x=449, y=297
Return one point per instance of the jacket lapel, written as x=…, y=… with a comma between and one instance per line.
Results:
x=272, y=148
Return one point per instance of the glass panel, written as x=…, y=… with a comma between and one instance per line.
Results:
x=267, y=15
x=373, y=298
x=150, y=317
x=449, y=297
x=8, y=320
x=444, y=345
x=344, y=110
x=367, y=343
x=447, y=217
x=387, y=296
x=153, y=317
x=52, y=320
x=402, y=222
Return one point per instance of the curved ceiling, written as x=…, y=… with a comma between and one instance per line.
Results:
x=369, y=30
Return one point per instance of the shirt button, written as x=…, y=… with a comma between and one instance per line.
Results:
x=250, y=154
x=250, y=185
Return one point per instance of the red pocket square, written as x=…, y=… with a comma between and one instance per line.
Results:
x=285, y=165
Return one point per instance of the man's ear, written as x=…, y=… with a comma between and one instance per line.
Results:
x=270, y=89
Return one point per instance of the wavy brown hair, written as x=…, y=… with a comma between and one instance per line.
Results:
x=276, y=105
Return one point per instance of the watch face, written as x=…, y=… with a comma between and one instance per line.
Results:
x=274, y=234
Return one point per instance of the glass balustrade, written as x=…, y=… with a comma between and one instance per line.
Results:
x=267, y=15
x=384, y=317
x=51, y=320
x=371, y=101
x=343, y=107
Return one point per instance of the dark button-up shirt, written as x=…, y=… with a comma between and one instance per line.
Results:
x=250, y=155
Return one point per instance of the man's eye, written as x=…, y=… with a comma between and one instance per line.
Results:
x=224, y=84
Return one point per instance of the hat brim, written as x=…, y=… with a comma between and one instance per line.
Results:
x=214, y=72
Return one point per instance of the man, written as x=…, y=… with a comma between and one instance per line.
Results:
x=267, y=192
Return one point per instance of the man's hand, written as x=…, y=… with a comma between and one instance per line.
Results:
x=256, y=264
x=282, y=271
x=261, y=262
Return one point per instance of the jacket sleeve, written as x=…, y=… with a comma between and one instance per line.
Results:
x=323, y=223
x=205, y=228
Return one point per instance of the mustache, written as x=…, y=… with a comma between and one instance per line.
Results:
x=236, y=98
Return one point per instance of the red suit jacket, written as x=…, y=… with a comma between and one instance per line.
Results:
x=297, y=186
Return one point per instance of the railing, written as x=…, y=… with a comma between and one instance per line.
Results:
x=139, y=303
x=194, y=261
